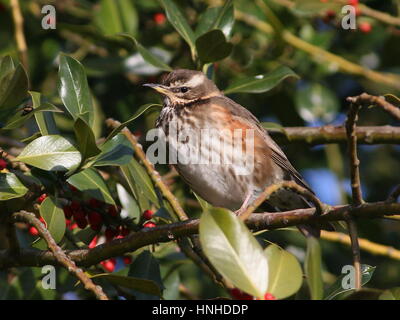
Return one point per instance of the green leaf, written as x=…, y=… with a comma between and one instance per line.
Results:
x=145, y=286
x=128, y=203
x=137, y=175
x=53, y=214
x=262, y=82
x=205, y=206
x=19, y=118
x=142, y=109
x=336, y=288
x=44, y=120
x=115, y=152
x=212, y=46
x=54, y=153
x=147, y=55
x=315, y=102
x=234, y=251
x=86, y=140
x=146, y=267
x=116, y=16
x=6, y=66
x=313, y=269
x=13, y=88
x=217, y=18
x=91, y=182
x=11, y=187
x=285, y=273
x=390, y=294
x=177, y=19
x=74, y=89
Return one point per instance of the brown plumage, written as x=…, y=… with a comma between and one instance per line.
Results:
x=193, y=104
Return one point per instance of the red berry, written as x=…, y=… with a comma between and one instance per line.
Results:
x=109, y=265
x=110, y=233
x=148, y=214
x=80, y=218
x=93, y=243
x=95, y=218
x=43, y=221
x=239, y=295
x=112, y=211
x=72, y=226
x=41, y=198
x=149, y=225
x=159, y=18
x=75, y=205
x=269, y=296
x=127, y=259
x=33, y=231
x=94, y=203
x=365, y=27
x=3, y=164
x=68, y=212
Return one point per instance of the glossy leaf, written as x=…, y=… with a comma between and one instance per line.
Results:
x=116, y=16
x=91, y=182
x=144, y=286
x=177, y=19
x=115, y=152
x=74, y=89
x=130, y=207
x=336, y=289
x=142, y=109
x=138, y=175
x=53, y=214
x=217, y=18
x=261, y=83
x=44, y=120
x=147, y=55
x=314, y=102
x=86, y=140
x=52, y=152
x=285, y=273
x=13, y=88
x=146, y=267
x=11, y=187
x=20, y=118
x=212, y=46
x=234, y=251
x=313, y=269
x=6, y=66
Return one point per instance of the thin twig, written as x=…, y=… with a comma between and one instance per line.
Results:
x=365, y=244
x=59, y=255
x=366, y=99
x=19, y=32
x=264, y=196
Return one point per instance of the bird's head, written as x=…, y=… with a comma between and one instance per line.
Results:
x=184, y=86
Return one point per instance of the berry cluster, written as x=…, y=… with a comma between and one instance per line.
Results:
x=101, y=217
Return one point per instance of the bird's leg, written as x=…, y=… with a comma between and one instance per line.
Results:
x=245, y=204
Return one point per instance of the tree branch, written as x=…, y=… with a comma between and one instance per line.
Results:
x=58, y=254
x=335, y=134
x=165, y=233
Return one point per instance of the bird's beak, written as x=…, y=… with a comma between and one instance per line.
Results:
x=158, y=87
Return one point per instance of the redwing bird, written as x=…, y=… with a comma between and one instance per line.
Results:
x=194, y=104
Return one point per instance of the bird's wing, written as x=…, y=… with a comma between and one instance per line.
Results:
x=277, y=154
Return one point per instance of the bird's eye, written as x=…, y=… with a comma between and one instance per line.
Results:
x=184, y=89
